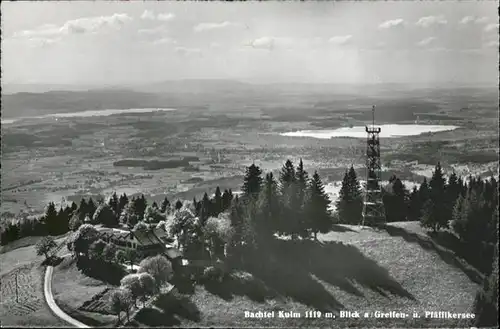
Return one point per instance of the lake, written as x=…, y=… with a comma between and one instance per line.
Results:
x=91, y=113
x=388, y=131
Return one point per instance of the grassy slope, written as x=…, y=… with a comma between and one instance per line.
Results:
x=71, y=289
x=361, y=271
x=361, y=282
x=20, y=252
x=31, y=310
x=26, y=242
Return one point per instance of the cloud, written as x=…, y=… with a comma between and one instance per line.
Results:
x=467, y=20
x=165, y=41
x=165, y=17
x=188, y=51
x=41, y=31
x=148, y=15
x=268, y=42
x=391, y=23
x=340, y=40
x=492, y=44
x=426, y=41
x=289, y=43
x=491, y=27
x=43, y=42
x=78, y=26
x=429, y=21
x=262, y=43
x=473, y=19
x=473, y=51
x=439, y=49
x=155, y=30
x=215, y=26
x=482, y=20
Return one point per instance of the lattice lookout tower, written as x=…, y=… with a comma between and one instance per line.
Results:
x=373, y=207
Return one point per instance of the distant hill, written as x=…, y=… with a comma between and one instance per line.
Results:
x=31, y=100
x=198, y=86
x=34, y=104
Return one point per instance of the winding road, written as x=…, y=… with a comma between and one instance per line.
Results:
x=49, y=298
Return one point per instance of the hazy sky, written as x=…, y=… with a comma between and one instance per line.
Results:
x=336, y=42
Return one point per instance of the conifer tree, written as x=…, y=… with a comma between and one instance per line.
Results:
x=122, y=202
x=250, y=237
x=316, y=209
x=217, y=203
x=140, y=205
x=165, y=204
x=74, y=207
x=236, y=214
x=268, y=206
x=68, y=211
x=451, y=194
x=355, y=185
x=424, y=191
x=226, y=200
x=302, y=200
x=435, y=214
x=252, y=182
x=178, y=205
x=462, y=186
x=395, y=200
x=50, y=219
x=344, y=200
x=62, y=221
x=113, y=202
x=401, y=197
x=459, y=216
x=206, y=208
x=82, y=209
x=198, y=208
x=236, y=217
x=350, y=202
x=289, y=223
x=60, y=217
x=91, y=208
x=486, y=302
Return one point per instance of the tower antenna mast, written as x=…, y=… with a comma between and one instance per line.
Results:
x=373, y=116
x=373, y=207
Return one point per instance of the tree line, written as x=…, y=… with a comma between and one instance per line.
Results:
x=231, y=227
x=117, y=211
x=466, y=207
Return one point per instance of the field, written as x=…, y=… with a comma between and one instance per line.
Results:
x=357, y=269
x=56, y=159
x=20, y=257
x=30, y=308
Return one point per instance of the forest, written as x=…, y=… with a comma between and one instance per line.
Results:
x=239, y=228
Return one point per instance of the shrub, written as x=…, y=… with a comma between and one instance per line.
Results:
x=213, y=274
